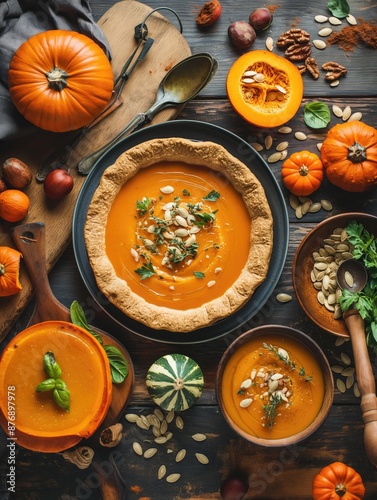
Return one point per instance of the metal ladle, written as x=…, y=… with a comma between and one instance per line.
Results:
x=352, y=275
x=181, y=84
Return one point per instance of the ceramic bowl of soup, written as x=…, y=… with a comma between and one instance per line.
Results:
x=274, y=386
x=55, y=357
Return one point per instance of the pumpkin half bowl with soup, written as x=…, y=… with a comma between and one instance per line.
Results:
x=315, y=264
x=178, y=234
x=55, y=386
x=274, y=386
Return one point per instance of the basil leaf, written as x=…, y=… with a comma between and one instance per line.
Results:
x=339, y=8
x=51, y=366
x=317, y=115
x=46, y=385
x=118, y=364
x=62, y=395
x=78, y=318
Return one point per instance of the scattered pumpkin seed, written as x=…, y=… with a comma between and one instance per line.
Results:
x=321, y=19
x=319, y=44
x=340, y=385
x=356, y=390
x=282, y=146
x=347, y=111
x=268, y=142
x=337, y=111
x=337, y=369
x=283, y=297
x=137, y=448
x=325, y=32
x=131, y=417
x=300, y=136
x=334, y=21
x=199, y=437
x=170, y=416
x=160, y=439
x=335, y=83
x=172, y=478
x=203, y=459
x=269, y=43
x=340, y=341
x=150, y=452
x=351, y=20
x=314, y=207
x=355, y=117
x=161, y=472
x=350, y=381
x=326, y=205
x=179, y=422
x=167, y=189
x=274, y=157
x=180, y=455
x=345, y=358
x=258, y=147
x=285, y=130
x=348, y=278
x=350, y=370
x=293, y=201
x=245, y=402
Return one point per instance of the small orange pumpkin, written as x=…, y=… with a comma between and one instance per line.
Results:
x=9, y=271
x=338, y=481
x=349, y=156
x=14, y=205
x=302, y=173
x=60, y=80
x=270, y=99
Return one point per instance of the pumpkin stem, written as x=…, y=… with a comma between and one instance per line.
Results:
x=340, y=489
x=179, y=383
x=2, y=269
x=303, y=170
x=57, y=79
x=357, y=153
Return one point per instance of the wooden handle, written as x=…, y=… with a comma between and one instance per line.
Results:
x=30, y=241
x=365, y=381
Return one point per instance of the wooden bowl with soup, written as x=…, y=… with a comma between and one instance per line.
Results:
x=274, y=386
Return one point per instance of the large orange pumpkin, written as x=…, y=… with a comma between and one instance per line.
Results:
x=60, y=80
x=338, y=481
x=9, y=271
x=349, y=156
x=264, y=88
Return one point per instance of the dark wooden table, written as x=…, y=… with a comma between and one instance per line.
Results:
x=275, y=473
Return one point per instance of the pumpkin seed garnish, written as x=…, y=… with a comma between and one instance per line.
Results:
x=161, y=472
x=172, y=478
x=340, y=385
x=150, y=452
x=283, y=297
x=180, y=455
x=137, y=448
x=199, y=437
x=203, y=459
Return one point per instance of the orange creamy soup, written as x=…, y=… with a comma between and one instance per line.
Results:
x=256, y=377
x=37, y=412
x=179, y=235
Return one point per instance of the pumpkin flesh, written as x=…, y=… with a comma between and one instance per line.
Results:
x=60, y=80
x=268, y=103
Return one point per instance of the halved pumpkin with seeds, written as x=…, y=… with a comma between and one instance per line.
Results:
x=264, y=88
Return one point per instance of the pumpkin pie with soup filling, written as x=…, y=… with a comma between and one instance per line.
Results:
x=179, y=234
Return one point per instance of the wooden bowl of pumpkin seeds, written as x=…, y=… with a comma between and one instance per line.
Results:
x=315, y=264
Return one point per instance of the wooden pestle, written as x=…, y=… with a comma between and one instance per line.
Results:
x=365, y=381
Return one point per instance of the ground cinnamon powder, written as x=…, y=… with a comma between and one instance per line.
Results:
x=363, y=34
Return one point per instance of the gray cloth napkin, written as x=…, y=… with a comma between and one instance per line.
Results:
x=19, y=20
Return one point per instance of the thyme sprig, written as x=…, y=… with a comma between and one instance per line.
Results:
x=270, y=409
x=283, y=357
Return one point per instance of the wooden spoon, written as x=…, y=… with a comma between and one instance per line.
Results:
x=356, y=281
x=30, y=241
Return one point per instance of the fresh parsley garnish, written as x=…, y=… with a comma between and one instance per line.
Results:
x=145, y=271
x=142, y=206
x=185, y=192
x=212, y=196
x=199, y=274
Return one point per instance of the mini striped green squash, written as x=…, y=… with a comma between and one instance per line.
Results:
x=175, y=382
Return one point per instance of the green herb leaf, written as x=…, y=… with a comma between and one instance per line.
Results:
x=78, y=318
x=143, y=206
x=338, y=8
x=118, y=364
x=50, y=365
x=46, y=385
x=62, y=395
x=270, y=409
x=317, y=115
x=212, y=196
x=185, y=192
x=199, y=274
x=145, y=271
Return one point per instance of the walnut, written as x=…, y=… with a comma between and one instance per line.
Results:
x=298, y=52
x=293, y=36
x=312, y=67
x=302, y=68
x=334, y=71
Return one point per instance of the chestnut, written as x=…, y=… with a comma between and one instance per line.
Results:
x=260, y=19
x=241, y=34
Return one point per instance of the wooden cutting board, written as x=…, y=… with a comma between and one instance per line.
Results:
x=139, y=93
